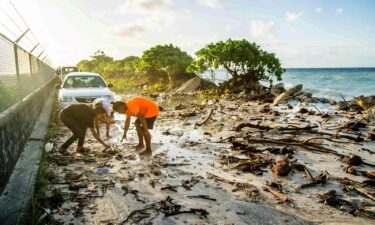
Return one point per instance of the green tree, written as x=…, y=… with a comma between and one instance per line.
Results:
x=246, y=62
x=96, y=64
x=166, y=61
x=131, y=66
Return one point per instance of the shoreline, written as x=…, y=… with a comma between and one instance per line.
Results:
x=215, y=166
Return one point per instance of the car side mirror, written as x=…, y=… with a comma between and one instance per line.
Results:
x=110, y=85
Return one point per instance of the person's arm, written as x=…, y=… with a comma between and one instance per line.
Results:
x=126, y=126
x=96, y=121
x=97, y=137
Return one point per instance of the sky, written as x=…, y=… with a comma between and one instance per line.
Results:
x=302, y=33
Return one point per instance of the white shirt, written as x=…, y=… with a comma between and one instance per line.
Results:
x=106, y=104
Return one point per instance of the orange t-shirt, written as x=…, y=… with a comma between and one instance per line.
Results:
x=145, y=106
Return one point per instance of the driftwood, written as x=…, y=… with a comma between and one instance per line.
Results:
x=309, y=129
x=321, y=179
x=215, y=177
x=277, y=194
x=262, y=127
x=170, y=187
x=167, y=206
x=293, y=142
x=346, y=102
x=202, y=196
x=364, y=193
x=207, y=118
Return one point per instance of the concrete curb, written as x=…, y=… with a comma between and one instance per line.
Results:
x=15, y=201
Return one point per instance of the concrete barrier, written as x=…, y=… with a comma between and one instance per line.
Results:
x=16, y=125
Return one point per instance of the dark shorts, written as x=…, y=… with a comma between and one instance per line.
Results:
x=149, y=121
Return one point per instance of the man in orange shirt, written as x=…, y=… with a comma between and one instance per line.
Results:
x=146, y=112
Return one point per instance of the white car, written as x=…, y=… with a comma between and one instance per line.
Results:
x=83, y=87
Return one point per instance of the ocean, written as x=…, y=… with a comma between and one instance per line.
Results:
x=326, y=82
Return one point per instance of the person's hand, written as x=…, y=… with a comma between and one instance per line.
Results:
x=111, y=121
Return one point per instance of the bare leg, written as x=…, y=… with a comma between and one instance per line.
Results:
x=139, y=129
x=107, y=129
x=147, y=137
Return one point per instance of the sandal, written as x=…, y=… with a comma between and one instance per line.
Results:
x=63, y=151
x=81, y=150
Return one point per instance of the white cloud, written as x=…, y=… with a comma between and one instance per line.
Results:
x=260, y=28
x=291, y=17
x=339, y=11
x=152, y=23
x=154, y=15
x=128, y=30
x=209, y=3
x=318, y=10
x=146, y=6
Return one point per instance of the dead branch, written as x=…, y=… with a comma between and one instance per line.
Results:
x=321, y=179
x=293, y=142
x=323, y=138
x=202, y=196
x=261, y=127
x=364, y=193
x=347, y=103
x=277, y=194
x=204, y=121
x=213, y=176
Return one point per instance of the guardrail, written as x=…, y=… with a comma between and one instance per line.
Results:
x=20, y=72
x=25, y=84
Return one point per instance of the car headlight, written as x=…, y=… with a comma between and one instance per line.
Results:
x=110, y=97
x=66, y=98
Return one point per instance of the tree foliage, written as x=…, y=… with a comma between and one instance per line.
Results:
x=246, y=62
x=166, y=61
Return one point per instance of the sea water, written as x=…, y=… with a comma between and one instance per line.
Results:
x=326, y=82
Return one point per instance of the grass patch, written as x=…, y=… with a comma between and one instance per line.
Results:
x=42, y=182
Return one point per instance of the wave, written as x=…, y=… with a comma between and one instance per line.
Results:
x=326, y=93
x=340, y=77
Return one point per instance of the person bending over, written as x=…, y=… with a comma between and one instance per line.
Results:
x=108, y=119
x=79, y=117
x=146, y=112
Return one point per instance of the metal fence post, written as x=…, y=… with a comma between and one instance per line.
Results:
x=17, y=70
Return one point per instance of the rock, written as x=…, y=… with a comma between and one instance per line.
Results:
x=354, y=125
x=370, y=115
x=303, y=111
x=351, y=170
x=281, y=167
x=277, y=89
x=365, y=102
x=308, y=99
x=326, y=101
x=288, y=94
x=342, y=105
x=356, y=108
x=265, y=109
x=370, y=136
x=353, y=160
x=195, y=83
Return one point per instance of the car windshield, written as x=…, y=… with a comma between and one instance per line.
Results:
x=84, y=82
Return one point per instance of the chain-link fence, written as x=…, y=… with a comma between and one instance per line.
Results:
x=20, y=72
